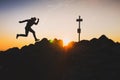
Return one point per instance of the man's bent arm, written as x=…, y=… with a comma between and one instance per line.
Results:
x=37, y=22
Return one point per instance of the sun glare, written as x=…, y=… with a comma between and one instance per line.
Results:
x=66, y=42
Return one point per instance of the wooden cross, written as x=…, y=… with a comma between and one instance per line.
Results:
x=79, y=29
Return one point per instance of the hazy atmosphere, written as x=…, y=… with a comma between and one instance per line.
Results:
x=58, y=20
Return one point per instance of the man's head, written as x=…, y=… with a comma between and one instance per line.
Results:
x=33, y=18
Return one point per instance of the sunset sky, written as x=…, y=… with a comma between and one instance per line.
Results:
x=58, y=20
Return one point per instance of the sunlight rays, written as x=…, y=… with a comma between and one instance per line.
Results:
x=66, y=42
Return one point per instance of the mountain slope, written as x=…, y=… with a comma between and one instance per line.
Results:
x=85, y=60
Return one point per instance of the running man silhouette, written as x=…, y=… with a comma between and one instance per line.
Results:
x=28, y=28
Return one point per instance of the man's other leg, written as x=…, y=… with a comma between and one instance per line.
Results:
x=34, y=35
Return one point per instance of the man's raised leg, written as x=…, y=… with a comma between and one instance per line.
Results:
x=23, y=35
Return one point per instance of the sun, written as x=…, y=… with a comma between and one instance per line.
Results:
x=66, y=42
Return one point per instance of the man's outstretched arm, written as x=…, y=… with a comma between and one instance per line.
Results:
x=37, y=22
x=23, y=21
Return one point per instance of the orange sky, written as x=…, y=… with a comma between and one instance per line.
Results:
x=58, y=20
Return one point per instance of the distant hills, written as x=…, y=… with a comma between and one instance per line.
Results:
x=97, y=59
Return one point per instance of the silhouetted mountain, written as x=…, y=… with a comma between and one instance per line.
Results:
x=97, y=59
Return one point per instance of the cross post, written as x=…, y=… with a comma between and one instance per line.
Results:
x=79, y=29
